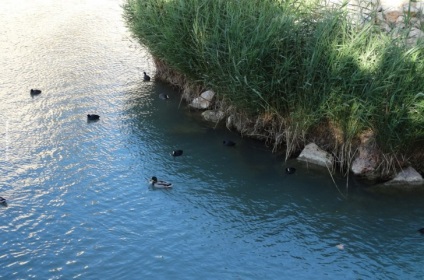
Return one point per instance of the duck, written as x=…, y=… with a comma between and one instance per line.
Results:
x=228, y=143
x=93, y=117
x=35, y=91
x=177, y=153
x=421, y=230
x=163, y=96
x=160, y=184
x=146, y=77
x=3, y=201
x=290, y=170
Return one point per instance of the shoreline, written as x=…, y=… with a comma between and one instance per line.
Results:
x=375, y=169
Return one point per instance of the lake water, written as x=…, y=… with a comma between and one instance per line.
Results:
x=80, y=206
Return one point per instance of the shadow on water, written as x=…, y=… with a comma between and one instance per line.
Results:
x=165, y=125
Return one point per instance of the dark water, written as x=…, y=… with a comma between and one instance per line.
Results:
x=79, y=205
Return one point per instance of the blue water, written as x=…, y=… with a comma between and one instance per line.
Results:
x=80, y=206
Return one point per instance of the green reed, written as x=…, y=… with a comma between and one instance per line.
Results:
x=302, y=63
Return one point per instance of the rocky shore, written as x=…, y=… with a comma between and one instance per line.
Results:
x=395, y=17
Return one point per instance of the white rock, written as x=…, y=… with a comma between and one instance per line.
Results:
x=366, y=161
x=400, y=19
x=213, y=116
x=203, y=101
x=380, y=18
x=415, y=23
x=392, y=4
x=419, y=6
x=392, y=15
x=230, y=122
x=313, y=154
x=416, y=33
x=408, y=176
x=385, y=27
x=411, y=9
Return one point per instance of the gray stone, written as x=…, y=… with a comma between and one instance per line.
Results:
x=313, y=154
x=411, y=9
x=385, y=27
x=365, y=163
x=230, y=122
x=416, y=33
x=419, y=6
x=203, y=101
x=213, y=116
x=408, y=176
x=400, y=19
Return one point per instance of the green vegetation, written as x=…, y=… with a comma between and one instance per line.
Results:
x=292, y=60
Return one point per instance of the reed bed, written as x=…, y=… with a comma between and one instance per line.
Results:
x=303, y=65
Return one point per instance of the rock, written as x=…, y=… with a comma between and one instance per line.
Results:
x=410, y=10
x=416, y=33
x=400, y=19
x=419, y=6
x=391, y=4
x=234, y=122
x=385, y=27
x=392, y=15
x=230, y=122
x=313, y=154
x=213, y=116
x=414, y=36
x=203, y=101
x=415, y=22
x=380, y=18
x=408, y=176
x=366, y=162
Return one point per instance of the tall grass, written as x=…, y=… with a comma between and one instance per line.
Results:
x=285, y=58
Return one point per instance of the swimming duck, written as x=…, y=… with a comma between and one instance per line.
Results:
x=163, y=96
x=177, y=153
x=146, y=77
x=228, y=143
x=290, y=170
x=3, y=201
x=93, y=117
x=421, y=230
x=35, y=91
x=159, y=184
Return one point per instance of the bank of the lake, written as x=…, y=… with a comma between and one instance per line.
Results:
x=291, y=76
x=79, y=205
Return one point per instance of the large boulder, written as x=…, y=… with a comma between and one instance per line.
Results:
x=203, y=101
x=408, y=176
x=366, y=162
x=313, y=154
x=213, y=116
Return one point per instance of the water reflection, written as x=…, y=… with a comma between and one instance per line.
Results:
x=79, y=201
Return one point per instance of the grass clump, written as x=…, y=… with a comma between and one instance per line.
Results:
x=304, y=65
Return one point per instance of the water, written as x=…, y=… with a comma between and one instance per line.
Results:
x=79, y=205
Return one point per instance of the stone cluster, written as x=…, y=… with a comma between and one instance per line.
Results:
x=396, y=17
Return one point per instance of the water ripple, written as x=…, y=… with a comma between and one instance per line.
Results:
x=79, y=204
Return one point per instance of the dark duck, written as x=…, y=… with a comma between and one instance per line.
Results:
x=93, y=117
x=3, y=201
x=177, y=153
x=163, y=96
x=146, y=77
x=35, y=91
x=160, y=184
x=228, y=143
x=290, y=170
